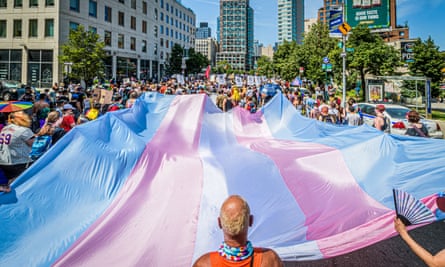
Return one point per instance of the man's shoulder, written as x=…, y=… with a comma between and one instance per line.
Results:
x=270, y=258
x=203, y=261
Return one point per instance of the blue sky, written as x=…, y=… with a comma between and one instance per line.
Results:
x=424, y=17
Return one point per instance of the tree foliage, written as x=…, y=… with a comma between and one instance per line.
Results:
x=173, y=65
x=284, y=60
x=265, y=66
x=194, y=61
x=85, y=51
x=316, y=45
x=428, y=62
x=371, y=55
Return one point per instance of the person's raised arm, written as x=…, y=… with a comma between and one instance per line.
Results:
x=437, y=260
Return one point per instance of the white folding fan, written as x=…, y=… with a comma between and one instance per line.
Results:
x=411, y=210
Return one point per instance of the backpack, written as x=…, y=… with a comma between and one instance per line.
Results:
x=40, y=145
x=386, y=125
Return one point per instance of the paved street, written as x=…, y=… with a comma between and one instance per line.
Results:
x=391, y=252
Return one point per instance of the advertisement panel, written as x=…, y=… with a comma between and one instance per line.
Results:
x=375, y=13
x=406, y=50
x=335, y=20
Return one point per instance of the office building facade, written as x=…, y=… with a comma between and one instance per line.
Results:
x=290, y=20
x=324, y=12
x=236, y=34
x=208, y=47
x=138, y=36
x=204, y=31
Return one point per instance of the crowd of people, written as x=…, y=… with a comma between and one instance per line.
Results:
x=58, y=110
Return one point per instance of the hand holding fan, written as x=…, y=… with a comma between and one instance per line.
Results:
x=411, y=210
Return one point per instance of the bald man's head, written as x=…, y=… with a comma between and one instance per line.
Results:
x=234, y=217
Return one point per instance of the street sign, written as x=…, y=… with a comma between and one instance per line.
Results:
x=344, y=28
x=301, y=69
x=326, y=60
x=329, y=67
x=349, y=49
x=323, y=66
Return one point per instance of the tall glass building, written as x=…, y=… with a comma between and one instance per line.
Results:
x=236, y=34
x=290, y=20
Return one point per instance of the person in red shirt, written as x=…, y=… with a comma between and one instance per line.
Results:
x=236, y=250
x=68, y=121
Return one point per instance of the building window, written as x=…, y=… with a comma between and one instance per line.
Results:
x=155, y=49
x=121, y=19
x=11, y=64
x=133, y=43
x=2, y=28
x=155, y=29
x=3, y=3
x=120, y=41
x=144, y=7
x=144, y=26
x=144, y=46
x=40, y=68
x=92, y=10
x=32, y=31
x=74, y=25
x=133, y=23
x=92, y=29
x=107, y=38
x=122, y=1
x=108, y=14
x=18, y=3
x=17, y=30
x=49, y=2
x=161, y=28
x=33, y=3
x=161, y=3
x=49, y=27
x=133, y=4
x=74, y=5
x=161, y=42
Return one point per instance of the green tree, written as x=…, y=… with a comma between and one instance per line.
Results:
x=371, y=55
x=85, y=52
x=284, y=60
x=174, y=63
x=265, y=67
x=316, y=45
x=428, y=62
x=196, y=61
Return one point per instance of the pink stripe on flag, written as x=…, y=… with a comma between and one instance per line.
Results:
x=366, y=234
x=323, y=187
x=166, y=183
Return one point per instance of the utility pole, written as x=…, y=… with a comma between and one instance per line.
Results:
x=344, y=29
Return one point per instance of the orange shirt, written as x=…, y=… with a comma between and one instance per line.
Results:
x=217, y=261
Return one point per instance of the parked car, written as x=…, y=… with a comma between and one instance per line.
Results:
x=9, y=89
x=397, y=115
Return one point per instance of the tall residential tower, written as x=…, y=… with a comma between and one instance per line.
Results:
x=290, y=20
x=236, y=34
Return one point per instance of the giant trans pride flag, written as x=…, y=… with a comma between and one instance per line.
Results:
x=143, y=186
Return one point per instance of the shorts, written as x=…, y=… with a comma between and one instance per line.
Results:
x=12, y=171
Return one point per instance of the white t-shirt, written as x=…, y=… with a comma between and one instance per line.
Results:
x=13, y=140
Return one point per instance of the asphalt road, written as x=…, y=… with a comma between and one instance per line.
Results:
x=388, y=253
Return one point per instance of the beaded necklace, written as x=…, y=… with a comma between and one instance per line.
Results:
x=235, y=253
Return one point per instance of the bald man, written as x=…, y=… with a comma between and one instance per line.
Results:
x=234, y=220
